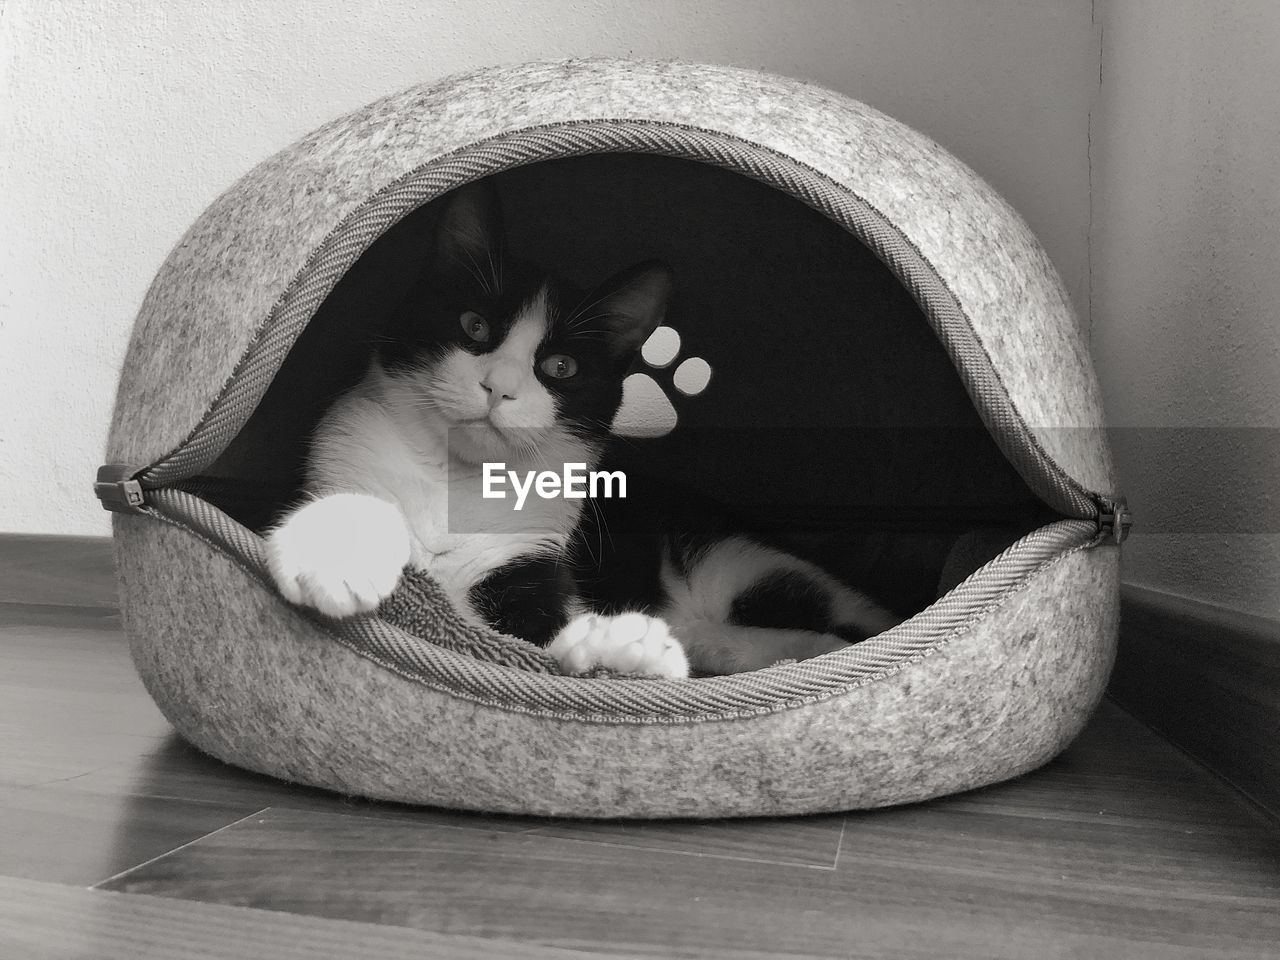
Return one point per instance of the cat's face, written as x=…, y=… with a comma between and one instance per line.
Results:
x=513, y=361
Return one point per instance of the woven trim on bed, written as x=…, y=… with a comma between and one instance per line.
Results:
x=326, y=265
x=475, y=675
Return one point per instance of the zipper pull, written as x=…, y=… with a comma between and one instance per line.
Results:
x=117, y=489
x=1114, y=520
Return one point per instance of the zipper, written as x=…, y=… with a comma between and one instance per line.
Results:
x=119, y=490
x=123, y=488
x=1114, y=520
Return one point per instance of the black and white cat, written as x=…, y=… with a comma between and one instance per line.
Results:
x=492, y=360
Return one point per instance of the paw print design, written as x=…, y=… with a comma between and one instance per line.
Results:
x=646, y=409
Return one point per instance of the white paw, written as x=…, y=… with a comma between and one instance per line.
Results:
x=341, y=554
x=627, y=643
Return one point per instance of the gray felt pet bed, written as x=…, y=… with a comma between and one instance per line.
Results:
x=895, y=364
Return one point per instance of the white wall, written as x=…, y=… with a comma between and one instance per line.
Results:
x=121, y=119
x=1186, y=289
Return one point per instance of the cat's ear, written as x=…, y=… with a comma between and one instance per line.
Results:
x=467, y=252
x=632, y=304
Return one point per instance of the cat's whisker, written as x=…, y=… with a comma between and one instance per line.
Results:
x=472, y=266
x=495, y=268
x=583, y=306
x=577, y=320
x=602, y=528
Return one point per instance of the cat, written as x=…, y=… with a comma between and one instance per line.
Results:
x=492, y=360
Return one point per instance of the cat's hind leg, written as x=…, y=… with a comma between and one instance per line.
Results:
x=854, y=615
x=741, y=605
x=632, y=643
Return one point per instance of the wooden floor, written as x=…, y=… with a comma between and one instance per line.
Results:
x=117, y=840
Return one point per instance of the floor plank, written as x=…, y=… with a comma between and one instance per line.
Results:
x=70, y=702
x=911, y=882
x=70, y=837
x=794, y=841
x=45, y=921
x=14, y=614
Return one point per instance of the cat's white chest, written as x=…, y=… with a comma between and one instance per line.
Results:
x=456, y=534
x=460, y=537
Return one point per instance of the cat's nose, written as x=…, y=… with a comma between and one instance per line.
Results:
x=500, y=383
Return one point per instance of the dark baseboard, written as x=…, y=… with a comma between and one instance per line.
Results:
x=1208, y=679
x=56, y=570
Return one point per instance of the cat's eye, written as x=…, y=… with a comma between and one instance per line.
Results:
x=475, y=326
x=559, y=367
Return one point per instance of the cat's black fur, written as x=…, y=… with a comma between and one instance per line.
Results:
x=531, y=598
x=427, y=321
x=615, y=556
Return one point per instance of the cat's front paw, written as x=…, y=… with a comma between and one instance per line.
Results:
x=341, y=554
x=628, y=643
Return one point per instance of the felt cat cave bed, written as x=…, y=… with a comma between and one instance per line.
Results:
x=895, y=362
